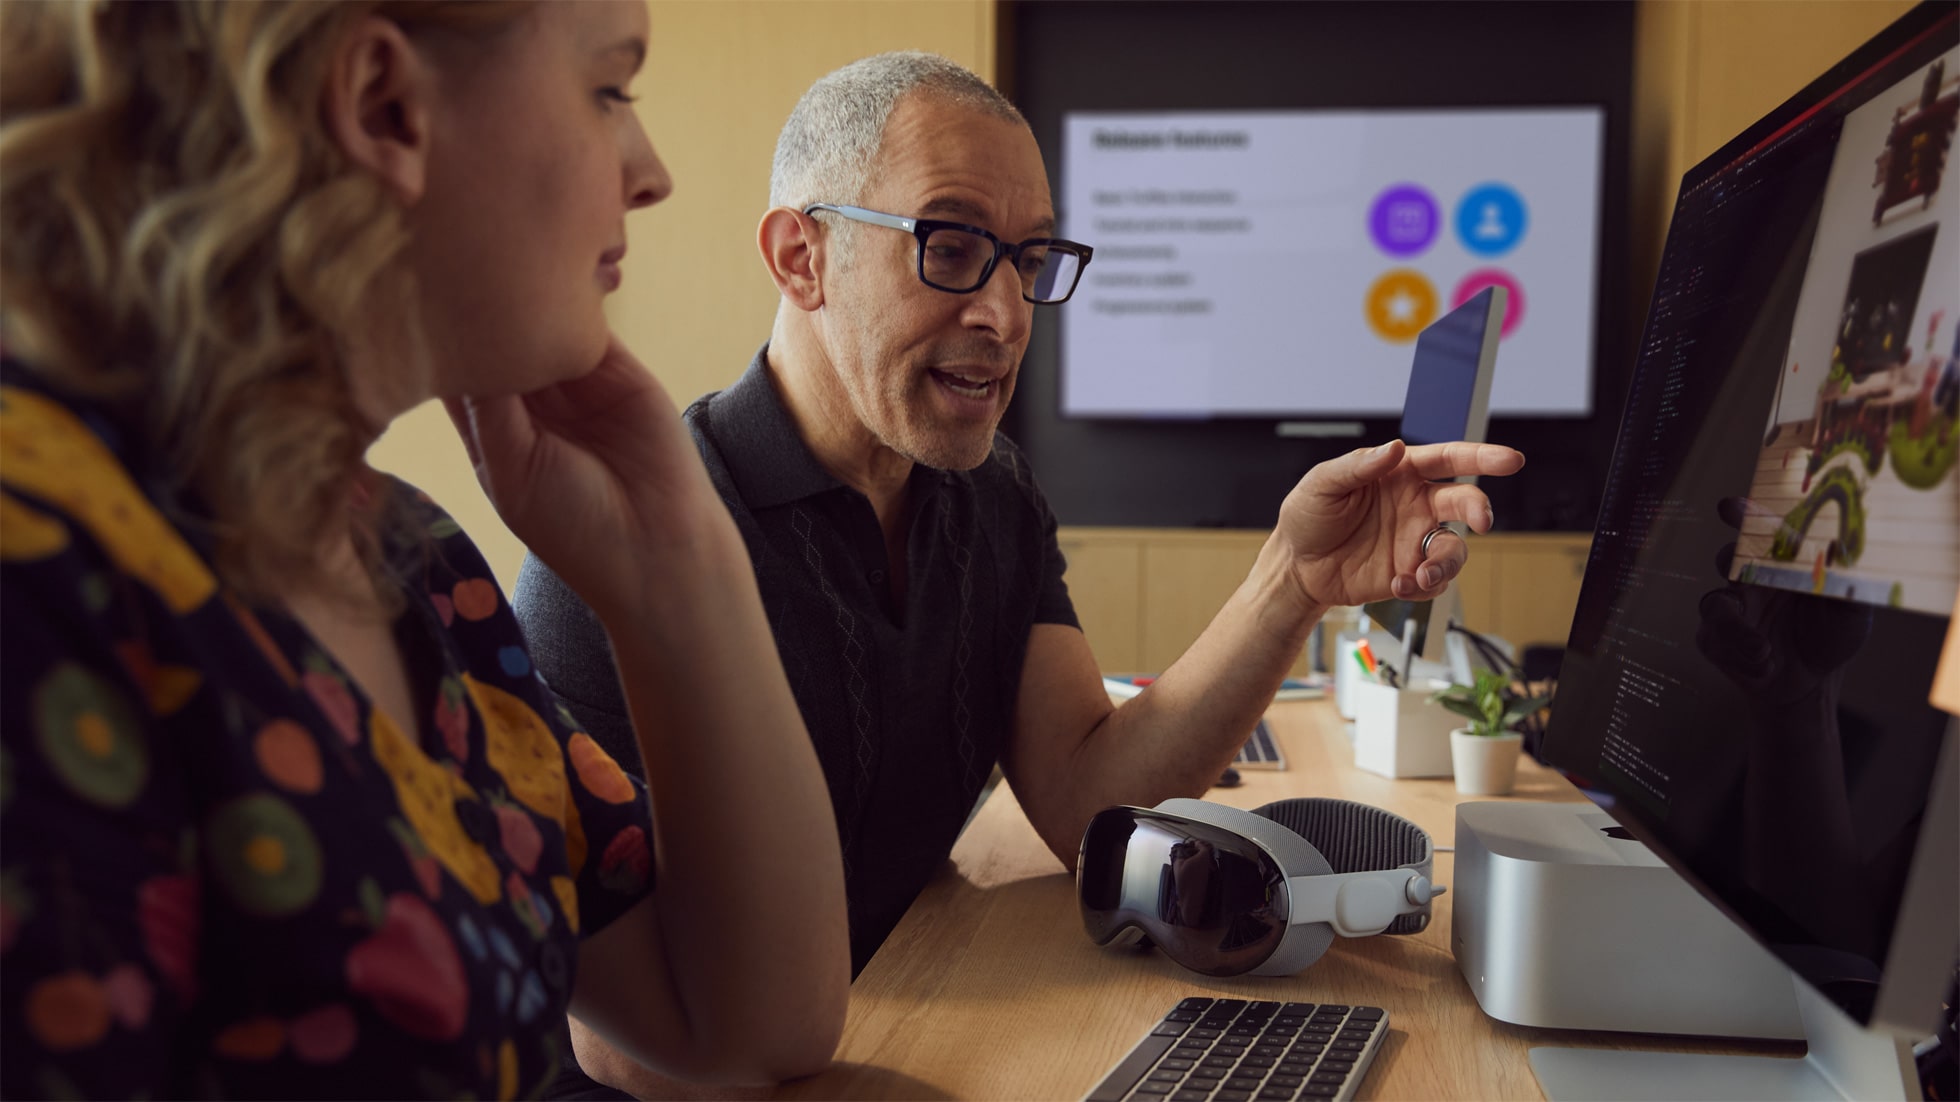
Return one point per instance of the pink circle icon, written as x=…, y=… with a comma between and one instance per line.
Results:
x=1493, y=277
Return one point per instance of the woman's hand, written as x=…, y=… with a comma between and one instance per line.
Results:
x=596, y=475
x=1355, y=524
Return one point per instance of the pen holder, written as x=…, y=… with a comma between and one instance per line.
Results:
x=1400, y=732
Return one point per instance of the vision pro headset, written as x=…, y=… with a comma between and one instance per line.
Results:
x=1224, y=891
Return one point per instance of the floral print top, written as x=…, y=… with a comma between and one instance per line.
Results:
x=222, y=872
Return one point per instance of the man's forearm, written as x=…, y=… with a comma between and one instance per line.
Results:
x=1176, y=737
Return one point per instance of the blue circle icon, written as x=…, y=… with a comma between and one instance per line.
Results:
x=1491, y=219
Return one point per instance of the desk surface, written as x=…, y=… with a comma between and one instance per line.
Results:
x=989, y=989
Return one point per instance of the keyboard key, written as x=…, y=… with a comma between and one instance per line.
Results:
x=1316, y=1090
x=1153, y=1088
x=1175, y=1064
x=1369, y=1013
x=1276, y=1094
x=1336, y=1065
x=1229, y=1006
x=1116, y=1085
x=1261, y=1062
x=1169, y=1029
x=1203, y=1034
x=1299, y=1009
x=1328, y=1078
x=1182, y=1016
x=1166, y=1075
x=1194, y=1004
x=1189, y=1095
x=1287, y=1081
x=1242, y=1083
x=1225, y=1063
x=1291, y=1066
x=1233, y=1096
x=1333, y=1008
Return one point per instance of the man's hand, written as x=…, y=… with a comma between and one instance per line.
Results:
x=1355, y=525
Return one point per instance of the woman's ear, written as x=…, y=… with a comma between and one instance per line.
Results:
x=792, y=245
x=376, y=104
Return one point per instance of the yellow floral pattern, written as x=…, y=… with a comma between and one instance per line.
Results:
x=27, y=533
x=531, y=760
x=428, y=794
x=47, y=451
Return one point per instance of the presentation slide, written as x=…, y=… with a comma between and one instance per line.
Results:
x=1281, y=263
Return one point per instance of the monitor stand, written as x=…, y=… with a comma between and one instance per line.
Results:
x=1846, y=1061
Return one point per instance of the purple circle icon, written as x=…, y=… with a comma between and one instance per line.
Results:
x=1403, y=220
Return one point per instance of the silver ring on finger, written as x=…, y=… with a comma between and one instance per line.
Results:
x=1439, y=530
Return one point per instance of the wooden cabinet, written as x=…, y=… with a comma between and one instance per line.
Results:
x=1145, y=594
x=1187, y=577
x=1105, y=580
x=1535, y=586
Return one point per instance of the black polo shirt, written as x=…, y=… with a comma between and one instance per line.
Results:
x=909, y=707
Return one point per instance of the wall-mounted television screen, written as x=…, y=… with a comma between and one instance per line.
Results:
x=1279, y=263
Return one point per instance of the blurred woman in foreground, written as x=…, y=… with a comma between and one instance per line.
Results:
x=285, y=809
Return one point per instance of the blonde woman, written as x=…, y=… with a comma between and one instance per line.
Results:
x=285, y=809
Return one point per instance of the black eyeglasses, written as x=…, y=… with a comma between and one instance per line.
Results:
x=960, y=258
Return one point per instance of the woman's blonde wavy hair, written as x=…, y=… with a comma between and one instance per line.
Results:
x=180, y=236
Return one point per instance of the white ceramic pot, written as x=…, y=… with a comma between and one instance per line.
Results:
x=1486, y=765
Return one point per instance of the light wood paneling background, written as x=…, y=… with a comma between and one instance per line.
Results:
x=1144, y=595
x=1704, y=70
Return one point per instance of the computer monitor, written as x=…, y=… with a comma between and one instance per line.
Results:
x=1448, y=399
x=1776, y=562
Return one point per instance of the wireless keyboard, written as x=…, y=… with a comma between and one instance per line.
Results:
x=1231, y=1050
x=1260, y=751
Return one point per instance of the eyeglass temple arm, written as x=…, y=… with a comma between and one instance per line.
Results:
x=1357, y=904
x=859, y=214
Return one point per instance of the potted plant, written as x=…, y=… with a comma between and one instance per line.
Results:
x=1484, y=752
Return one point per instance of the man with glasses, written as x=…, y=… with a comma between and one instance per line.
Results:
x=908, y=561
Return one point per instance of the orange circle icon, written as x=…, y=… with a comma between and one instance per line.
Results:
x=1399, y=304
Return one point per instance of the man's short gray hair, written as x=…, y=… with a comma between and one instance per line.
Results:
x=830, y=143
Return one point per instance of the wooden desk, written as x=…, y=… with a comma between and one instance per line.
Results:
x=989, y=988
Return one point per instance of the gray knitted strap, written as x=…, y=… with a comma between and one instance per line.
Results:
x=1355, y=837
